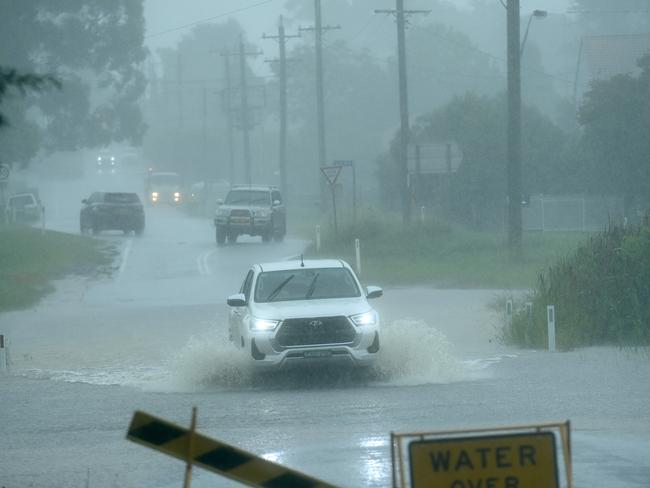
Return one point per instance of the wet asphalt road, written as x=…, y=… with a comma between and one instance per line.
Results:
x=152, y=337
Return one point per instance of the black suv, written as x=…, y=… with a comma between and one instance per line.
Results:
x=252, y=210
x=111, y=211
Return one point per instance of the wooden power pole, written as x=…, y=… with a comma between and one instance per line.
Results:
x=401, y=15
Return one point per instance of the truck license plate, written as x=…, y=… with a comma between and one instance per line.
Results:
x=318, y=354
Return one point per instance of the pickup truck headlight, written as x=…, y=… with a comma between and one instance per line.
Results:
x=366, y=318
x=223, y=212
x=263, y=213
x=263, y=324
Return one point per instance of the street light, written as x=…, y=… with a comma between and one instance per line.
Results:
x=540, y=14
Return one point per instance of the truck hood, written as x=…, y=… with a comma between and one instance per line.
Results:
x=243, y=207
x=311, y=308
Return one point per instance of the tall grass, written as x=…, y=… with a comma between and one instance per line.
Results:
x=601, y=294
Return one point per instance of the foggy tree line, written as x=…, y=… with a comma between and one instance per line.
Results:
x=94, y=49
x=110, y=86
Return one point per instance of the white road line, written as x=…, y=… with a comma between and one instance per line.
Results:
x=202, y=263
x=125, y=257
x=199, y=263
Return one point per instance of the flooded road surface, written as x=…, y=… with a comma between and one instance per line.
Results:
x=152, y=336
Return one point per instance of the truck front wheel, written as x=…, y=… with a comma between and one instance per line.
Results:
x=220, y=234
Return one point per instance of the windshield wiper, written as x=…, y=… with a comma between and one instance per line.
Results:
x=312, y=286
x=275, y=292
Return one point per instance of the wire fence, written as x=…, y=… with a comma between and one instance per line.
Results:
x=548, y=213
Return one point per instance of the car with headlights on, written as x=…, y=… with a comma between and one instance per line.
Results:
x=106, y=164
x=164, y=187
x=111, y=211
x=305, y=312
x=255, y=210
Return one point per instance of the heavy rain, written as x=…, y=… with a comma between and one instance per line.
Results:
x=330, y=236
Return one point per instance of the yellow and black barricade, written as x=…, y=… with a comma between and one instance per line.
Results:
x=215, y=456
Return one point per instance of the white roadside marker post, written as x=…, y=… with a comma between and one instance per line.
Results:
x=318, y=238
x=3, y=355
x=422, y=214
x=357, y=249
x=509, y=312
x=550, y=317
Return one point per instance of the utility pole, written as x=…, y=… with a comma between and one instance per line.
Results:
x=320, y=94
x=401, y=16
x=228, y=109
x=244, y=112
x=514, y=131
x=179, y=106
x=246, y=123
x=282, y=37
x=204, y=131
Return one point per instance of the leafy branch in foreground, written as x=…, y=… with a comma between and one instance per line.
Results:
x=11, y=78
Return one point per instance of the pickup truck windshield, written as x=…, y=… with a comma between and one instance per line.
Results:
x=305, y=284
x=248, y=197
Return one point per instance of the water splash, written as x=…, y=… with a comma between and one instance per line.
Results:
x=413, y=352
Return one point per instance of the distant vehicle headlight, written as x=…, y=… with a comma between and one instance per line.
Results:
x=112, y=158
x=177, y=194
x=154, y=194
x=367, y=318
x=263, y=324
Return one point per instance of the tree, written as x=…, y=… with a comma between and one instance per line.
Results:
x=10, y=78
x=94, y=48
x=615, y=116
x=185, y=106
x=358, y=111
x=477, y=125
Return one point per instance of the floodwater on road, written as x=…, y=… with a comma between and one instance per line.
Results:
x=152, y=336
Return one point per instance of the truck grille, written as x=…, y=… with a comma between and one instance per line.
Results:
x=315, y=331
x=240, y=213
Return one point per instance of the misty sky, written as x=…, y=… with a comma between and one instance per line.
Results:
x=260, y=15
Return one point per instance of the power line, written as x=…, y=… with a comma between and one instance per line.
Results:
x=318, y=30
x=209, y=19
x=492, y=56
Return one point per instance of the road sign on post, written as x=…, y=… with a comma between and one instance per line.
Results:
x=500, y=460
x=515, y=456
x=331, y=174
x=213, y=455
x=348, y=163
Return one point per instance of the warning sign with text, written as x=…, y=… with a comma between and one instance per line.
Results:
x=496, y=461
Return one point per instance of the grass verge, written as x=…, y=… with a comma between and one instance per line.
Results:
x=437, y=254
x=30, y=260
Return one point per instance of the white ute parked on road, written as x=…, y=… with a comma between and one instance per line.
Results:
x=305, y=313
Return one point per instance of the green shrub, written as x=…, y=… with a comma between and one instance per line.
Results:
x=601, y=294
